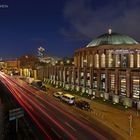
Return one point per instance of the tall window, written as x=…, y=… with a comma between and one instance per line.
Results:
x=123, y=85
x=88, y=80
x=138, y=60
x=110, y=60
x=135, y=87
x=102, y=86
x=96, y=57
x=112, y=82
x=82, y=78
x=131, y=61
x=82, y=61
x=72, y=77
x=94, y=81
x=91, y=61
x=103, y=60
x=117, y=60
x=85, y=61
x=124, y=60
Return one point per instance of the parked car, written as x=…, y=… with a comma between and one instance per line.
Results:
x=58, y=94
x=43, y=88
x=37, y=83
x=82, y=104
x=68, y=98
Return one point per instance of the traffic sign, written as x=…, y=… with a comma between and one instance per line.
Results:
x=16, y=113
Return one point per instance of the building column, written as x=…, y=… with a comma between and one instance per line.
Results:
x=106, y=81
x=79, y=75
x=73, y=76
x=79, y=60
x=93, y=60
x=128, y=83
x=61, y=73
x=91, y=78
x=98, y=79
x=85, y=76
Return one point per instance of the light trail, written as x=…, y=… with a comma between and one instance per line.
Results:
x=45, y=113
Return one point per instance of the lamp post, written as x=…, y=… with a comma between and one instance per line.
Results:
x=130, y=125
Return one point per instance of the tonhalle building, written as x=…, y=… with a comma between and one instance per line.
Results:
x=108, y=67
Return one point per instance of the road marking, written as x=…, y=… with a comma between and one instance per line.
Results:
x=83, y=117
x=70, y=126
x=56, y=133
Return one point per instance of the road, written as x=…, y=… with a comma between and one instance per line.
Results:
x=53, y=120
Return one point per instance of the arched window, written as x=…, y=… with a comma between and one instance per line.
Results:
x=96, y=57
x=103, y=60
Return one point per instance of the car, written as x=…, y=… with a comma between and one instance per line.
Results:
x=68, y=98
x=43, y=88
x=58, y=94
x=82, y=104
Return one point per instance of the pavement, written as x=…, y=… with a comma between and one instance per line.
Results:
x=115, y=119
x=1, y=121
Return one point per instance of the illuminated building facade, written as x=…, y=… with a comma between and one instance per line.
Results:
x=108, y=67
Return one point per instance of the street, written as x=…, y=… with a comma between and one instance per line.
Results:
x=49, y=114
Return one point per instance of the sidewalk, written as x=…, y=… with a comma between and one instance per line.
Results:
x=115, y=119
x=1, y=122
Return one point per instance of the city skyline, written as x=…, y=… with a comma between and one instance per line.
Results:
x=63, y=26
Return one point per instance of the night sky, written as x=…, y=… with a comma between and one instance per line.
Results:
x=61, y=26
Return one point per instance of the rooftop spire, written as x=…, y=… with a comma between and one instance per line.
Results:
x=110, y=31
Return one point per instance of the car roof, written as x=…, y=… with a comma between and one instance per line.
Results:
x=69, y=95
x=58, y=92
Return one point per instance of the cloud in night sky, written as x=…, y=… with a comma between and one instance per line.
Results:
x=89, y=20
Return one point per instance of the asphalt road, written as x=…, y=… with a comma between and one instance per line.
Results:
x=54, y=121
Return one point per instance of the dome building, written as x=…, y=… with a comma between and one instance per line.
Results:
x=112, y=63
x=108, y=67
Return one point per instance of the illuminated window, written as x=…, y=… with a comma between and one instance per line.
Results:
x=91, y=62
x=103, y=60
x=96, y=57
x=102, y=83
x=117, y=60
x=112, y=82
x=110, y=60
x=124, y=60
x=82, y=63
x=85, y=61
x=135, y=87
x=88, y=80
x=138, y=60
x=131, y=61
x=123, y=85
x=94, y=81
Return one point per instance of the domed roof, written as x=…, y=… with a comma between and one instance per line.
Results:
x=112, y=39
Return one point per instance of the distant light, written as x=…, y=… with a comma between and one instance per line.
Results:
x=26, y=56
x=68, y=61
x=85, y=60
